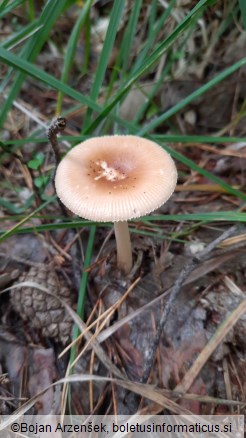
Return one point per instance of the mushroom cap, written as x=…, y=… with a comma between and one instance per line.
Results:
x=115, y=178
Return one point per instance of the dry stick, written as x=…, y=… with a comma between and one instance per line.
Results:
x=57, y=126
x=188, y=268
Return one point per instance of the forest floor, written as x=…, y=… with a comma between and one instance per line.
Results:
x=186, y=275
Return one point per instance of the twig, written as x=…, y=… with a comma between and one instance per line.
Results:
x=186, y=271
x=57, y=126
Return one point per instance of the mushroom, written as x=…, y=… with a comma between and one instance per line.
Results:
x=116, y=178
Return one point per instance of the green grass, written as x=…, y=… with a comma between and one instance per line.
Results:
x=242, y=5
x=116, y=13
x=71, y=49
x=20, y=51
x=32, y=48
x=148, y=62
x=193, y=96
x=32, y=37
x=222, y=216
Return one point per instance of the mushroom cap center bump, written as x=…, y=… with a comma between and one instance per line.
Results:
x=115, y=178
x=113, y=173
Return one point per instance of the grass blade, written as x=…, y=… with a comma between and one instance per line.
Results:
x=153, y=34
x=16, y=227
x=5, y=8
x=205, y=173
x=71, y=48
x=49, y=15
x=22, y=35
x=220, y=216
x=121, y=63
x=83, y=284
x=30, y=69
x=242, y=5
x=152, y=59
x=115, y=17
x=203, y=89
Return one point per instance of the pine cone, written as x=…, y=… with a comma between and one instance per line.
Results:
x=43, y=311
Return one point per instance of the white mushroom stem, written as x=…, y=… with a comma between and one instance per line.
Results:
x=123, y=245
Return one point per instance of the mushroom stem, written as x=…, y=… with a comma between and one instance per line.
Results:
x=123, y=245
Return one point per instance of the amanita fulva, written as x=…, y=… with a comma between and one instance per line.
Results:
x=116, y=178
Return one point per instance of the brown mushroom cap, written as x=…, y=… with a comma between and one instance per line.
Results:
x=115, y=178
